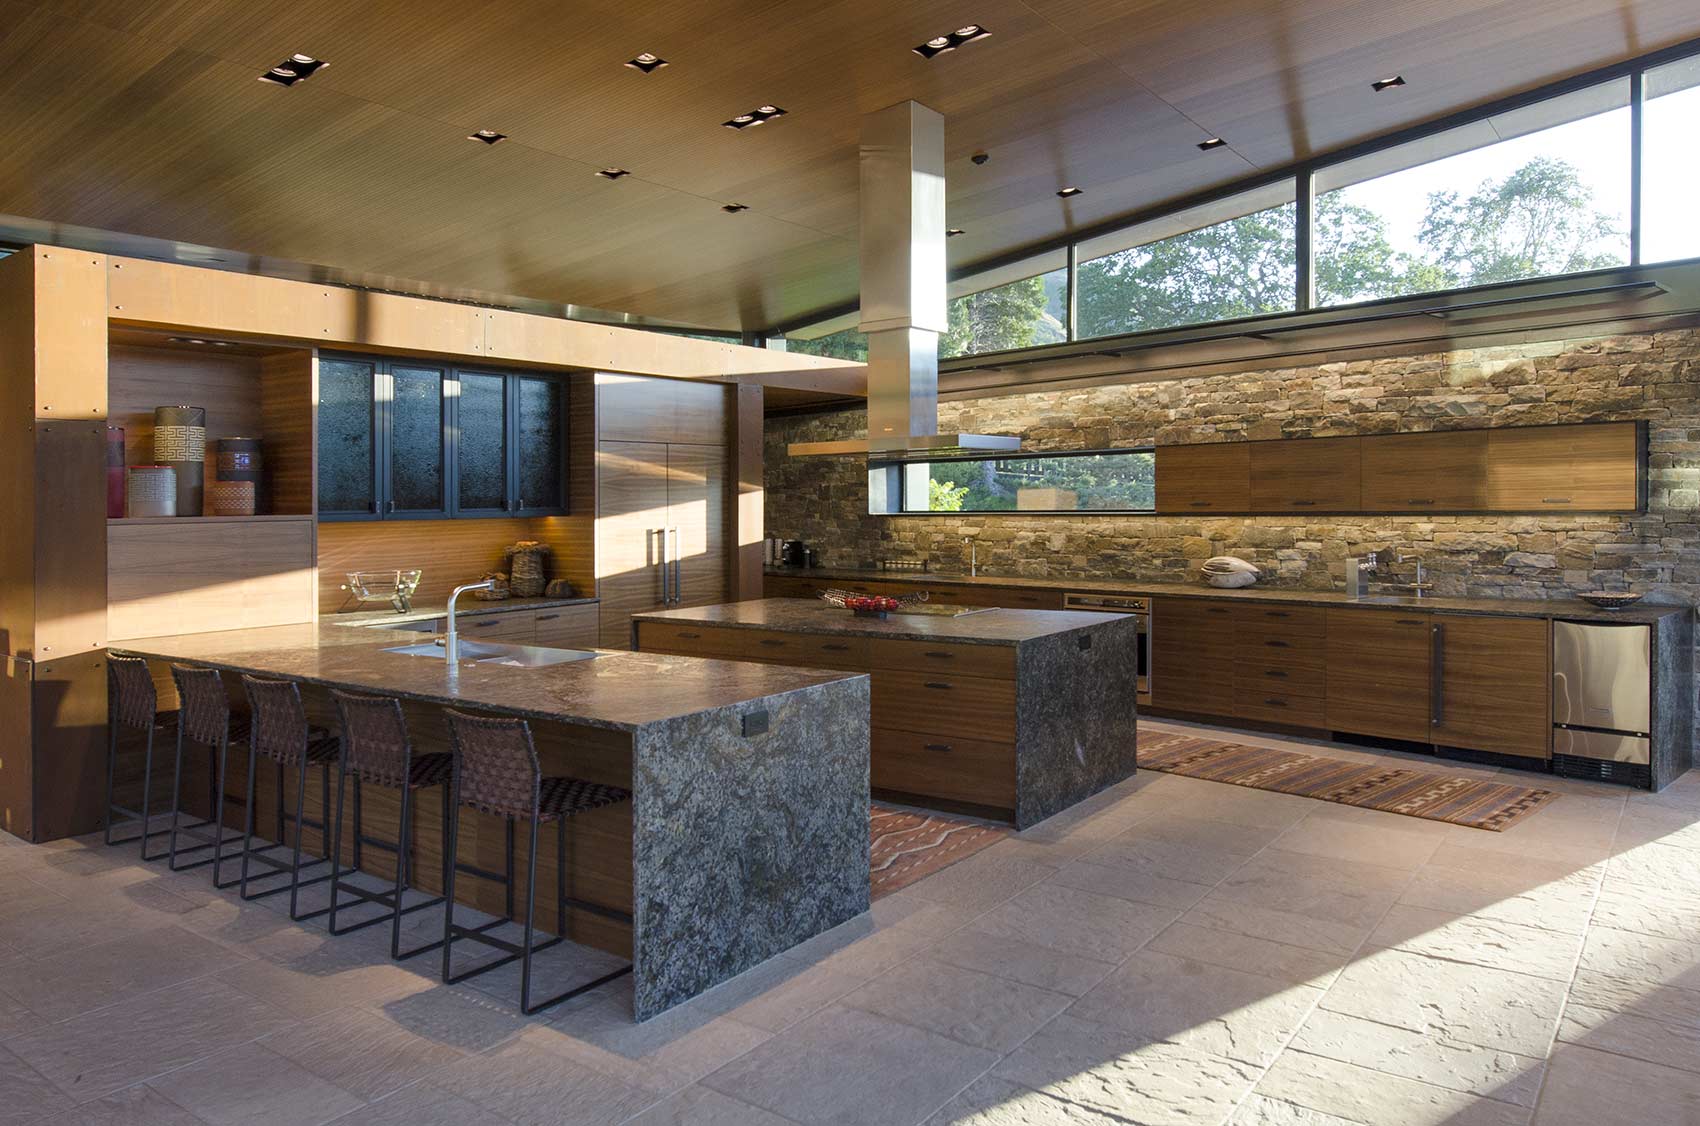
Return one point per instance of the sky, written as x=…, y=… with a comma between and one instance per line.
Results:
x=1598, y=147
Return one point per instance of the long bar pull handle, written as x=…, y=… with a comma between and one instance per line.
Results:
x=678, y=577
x=666, y=583
x=1437, y=675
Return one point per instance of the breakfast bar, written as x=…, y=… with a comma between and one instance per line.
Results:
x=747, y=828
x=1010, y=714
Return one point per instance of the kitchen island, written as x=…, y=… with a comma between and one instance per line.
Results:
x=1011, y=714
x=747, y=831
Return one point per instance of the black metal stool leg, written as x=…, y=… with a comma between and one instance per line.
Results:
x=530, y=913
x=295, y=858
x=336, y=842
x=400, y=873
x=561, y=877
x=111, y=769
x=359, y=820
x=147, y=794
x=247, y=826
x=176, y=801
x=509, y=901
x=451, y=834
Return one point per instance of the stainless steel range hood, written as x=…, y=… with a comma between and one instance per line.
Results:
x=903, y=291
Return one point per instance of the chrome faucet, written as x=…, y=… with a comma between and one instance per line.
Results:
x=1419, y=586
x=451, y=641
x=973, y=556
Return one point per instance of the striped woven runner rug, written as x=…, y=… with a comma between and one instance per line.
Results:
x=908, y=845
x=1452, y=798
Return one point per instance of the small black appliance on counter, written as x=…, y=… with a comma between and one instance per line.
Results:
x=794, y=553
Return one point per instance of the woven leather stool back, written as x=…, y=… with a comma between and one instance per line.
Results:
x=203, y=704
x=279, y=720
x=131, y=695
x=374, y=737
x=498, y=764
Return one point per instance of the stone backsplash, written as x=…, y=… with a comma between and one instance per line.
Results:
x=1653, y=376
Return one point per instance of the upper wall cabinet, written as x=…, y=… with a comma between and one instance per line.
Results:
x=410, y=440
x=1588, y=467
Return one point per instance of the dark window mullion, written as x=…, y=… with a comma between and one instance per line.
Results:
x=1637, y=81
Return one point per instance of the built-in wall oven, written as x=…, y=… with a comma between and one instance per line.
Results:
x=1140, y=608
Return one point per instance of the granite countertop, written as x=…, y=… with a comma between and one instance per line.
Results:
x=1568, y=608
x=467, y=607
x=799, y=615
x=619, y=690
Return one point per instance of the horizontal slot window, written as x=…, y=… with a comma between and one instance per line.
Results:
x=1095, y=481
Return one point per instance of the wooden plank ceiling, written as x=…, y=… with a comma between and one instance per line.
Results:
x=146, y=118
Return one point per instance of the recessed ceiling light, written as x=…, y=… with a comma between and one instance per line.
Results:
x=647, y=62
x=1381, y=84
x=755, y=117
x=293, y=70
x=952, y=232
x=613, y=173
x=734, y=208
x=1212, y=143
x=488, y=136
x=1066, y=193
x=939, y=44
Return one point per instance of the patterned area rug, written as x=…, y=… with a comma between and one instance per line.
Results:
x=1415, y=793
x=908, y=845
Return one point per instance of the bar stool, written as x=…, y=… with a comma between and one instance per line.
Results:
x=133, y=702
x=496, y=772
x=376, y=751
x=281, y=733
x=203, y=717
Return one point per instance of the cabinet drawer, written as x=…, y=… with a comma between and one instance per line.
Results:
x=927, y=656
x=568, y=627
x=1291, y=619
x=943, y=766
x=1281, y=650
x=1279, y=706
x=1020, y=598
x=1307, y=678
x=967, y=707
x=691, y=640
x=507, y=625
x=799, y=649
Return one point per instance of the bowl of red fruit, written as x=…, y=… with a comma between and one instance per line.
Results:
x=871, y=605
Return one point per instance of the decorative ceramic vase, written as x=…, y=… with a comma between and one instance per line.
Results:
x=236, y=476
x=180, y=441
x=150, y=490
x=114, y=472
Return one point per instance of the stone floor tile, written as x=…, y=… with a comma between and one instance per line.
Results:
x=1392, y=847
x=704, y=1106
x=991, y=1101
x=26, y=1096
x=672, y=1050
x=1587, y=1088
x=1668, y=913
x=1666, y=1003
x=1534, y=869
x=455, y=1016
x=362, y=1051
x=1626, y=1034
x=1561, y=905
x=1203, y=832
x=309, y=973
x=1295, y=965
x=1426, y=1058
x=1484, y=942
x=92, y=977
x=1658, y=866
x=777, y=994
x=1466, y=1003
x=1076, y=922
x=133, y=1106
x=527, y=1082
x=1115, y=1072
x=251, y=1086
x=97, y=1053
x=980, y=882
x=1211, y=1009
x=421, y=1104
x=1021, y=961
x=1360, y=1094
x=845, y=1066
x=967, y=1005
x=1173, y=860
x=1261, y=1110
x=1130, y=883
x=1643, y=957
x=1290, y=928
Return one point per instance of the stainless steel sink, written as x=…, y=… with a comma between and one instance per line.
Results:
x=490, y=653
x=427, y=626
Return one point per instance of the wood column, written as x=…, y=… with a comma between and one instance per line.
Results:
x=53, y=410
x=748, y=499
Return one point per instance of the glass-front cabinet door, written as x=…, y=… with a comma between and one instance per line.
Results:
x=417, y=455
x=481, y=444
x=540, y=444
x=348, y=438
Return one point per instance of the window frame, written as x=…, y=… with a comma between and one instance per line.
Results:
x=895, y=485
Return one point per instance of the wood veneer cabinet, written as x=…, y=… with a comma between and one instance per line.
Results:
x=1306, y=475
x=1207, y=478
x=1493, y=685
x=1194, y=647
x=1585, y=467
x=1377, y=679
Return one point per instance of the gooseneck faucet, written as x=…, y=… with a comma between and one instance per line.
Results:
x=451, y=642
